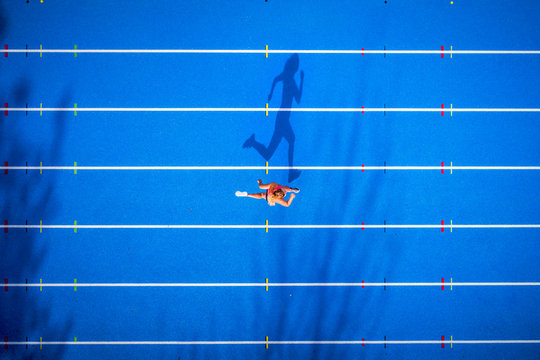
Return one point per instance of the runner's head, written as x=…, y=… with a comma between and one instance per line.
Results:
x=279, y=194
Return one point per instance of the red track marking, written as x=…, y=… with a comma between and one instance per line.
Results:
x=442, y=225
x=442, y=54
x=5, y=282
x=362, y=283
x=5, y=340
x=442, y=287
x=362, y=109
x=5, y=170
x=363, y=343
x=362, y=51
x=362, y=167
x=442, y=107
x=362, y=226
x=442, y=167
x=5, y=55
x=6, y=106
x=5, y=223
x=442, y=344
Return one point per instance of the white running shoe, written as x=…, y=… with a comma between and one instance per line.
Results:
x=241, y=193
x=295, y=190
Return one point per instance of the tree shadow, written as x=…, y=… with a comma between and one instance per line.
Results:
x=26, y=197
x=283, y=128
x=327, y=252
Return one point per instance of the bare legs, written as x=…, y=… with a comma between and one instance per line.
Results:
x=257, y=196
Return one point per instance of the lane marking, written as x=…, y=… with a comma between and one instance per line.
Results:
x=267, y=284
x=266, y=112
x=75, y=168
x=266, y=167
x=264, y=109
x=267, y=226
x=286, y=342
x=266, y=342
x=266, y=51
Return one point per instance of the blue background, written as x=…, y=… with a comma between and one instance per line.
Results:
x=322, y=139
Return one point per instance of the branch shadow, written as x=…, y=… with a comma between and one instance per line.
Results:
x=26, y=196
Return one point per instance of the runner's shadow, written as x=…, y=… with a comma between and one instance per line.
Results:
x=283, y=128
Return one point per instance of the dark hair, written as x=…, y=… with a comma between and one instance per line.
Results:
x=279, y=194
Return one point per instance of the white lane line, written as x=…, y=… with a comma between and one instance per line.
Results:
x=355, y=168
x=373, y=284
x=264, y=109
x=314, y=226
x=273, y=342
x=269, y=51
